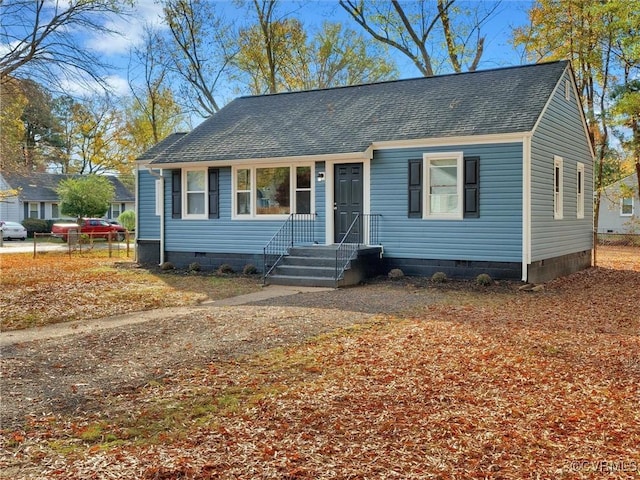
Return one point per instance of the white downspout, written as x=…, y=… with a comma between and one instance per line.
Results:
x=526, y=206
x=159, y=178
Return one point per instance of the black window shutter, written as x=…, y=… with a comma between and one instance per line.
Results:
x=176, y=194
x=471, y=187
x=214, y=193
x=26, y=210
x=415, y=188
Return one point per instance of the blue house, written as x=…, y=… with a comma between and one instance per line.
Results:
x=480, y=172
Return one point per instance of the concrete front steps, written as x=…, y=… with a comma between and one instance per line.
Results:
x=315, y=266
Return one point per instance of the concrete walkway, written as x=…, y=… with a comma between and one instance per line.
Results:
x=86, y=326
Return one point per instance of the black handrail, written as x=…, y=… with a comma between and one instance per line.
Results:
x=356, y=236
x=298, y=228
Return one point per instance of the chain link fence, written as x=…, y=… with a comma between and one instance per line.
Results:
x=115, y=244
x=619, y=239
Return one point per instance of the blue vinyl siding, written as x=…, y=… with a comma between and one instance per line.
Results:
x=495, y=236
x=148, y=221
x=560, y=132
x=224, y=235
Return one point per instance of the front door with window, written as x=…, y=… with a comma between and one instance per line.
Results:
x=347, y=197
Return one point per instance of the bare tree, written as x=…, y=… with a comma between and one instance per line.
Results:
x=416, y=30
x=199, y=50
x=265, y=10
x=42, y=39
x=153, y=110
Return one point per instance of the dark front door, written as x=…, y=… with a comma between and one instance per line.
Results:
x=347, y=199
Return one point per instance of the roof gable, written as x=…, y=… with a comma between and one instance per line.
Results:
x=41, y=187
x=350, y=119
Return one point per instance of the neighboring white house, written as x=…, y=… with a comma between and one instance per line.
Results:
x=37, y=197
x=620, y=207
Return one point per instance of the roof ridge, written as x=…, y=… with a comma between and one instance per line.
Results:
x=401, y=80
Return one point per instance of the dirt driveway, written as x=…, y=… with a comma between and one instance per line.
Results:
x=74, y=373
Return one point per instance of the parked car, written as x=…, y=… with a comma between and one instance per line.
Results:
x=13, y=231
x=95, y=227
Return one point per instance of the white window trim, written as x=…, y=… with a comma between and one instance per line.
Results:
x=580, y=190
x=253, y=196
x=426, y=207
x=185, y=195
x=558, y=196
x=119, y=206
x=37, y=209
x=632, y=207
x=567, y=90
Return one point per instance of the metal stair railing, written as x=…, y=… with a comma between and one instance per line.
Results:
x=297, y=229
x=364, y=227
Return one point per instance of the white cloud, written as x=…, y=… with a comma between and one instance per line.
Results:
x=118, y=85
x=129, y=29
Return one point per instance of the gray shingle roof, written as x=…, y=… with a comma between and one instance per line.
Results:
x=160, y=147
x=349, y=119
x=41, y=187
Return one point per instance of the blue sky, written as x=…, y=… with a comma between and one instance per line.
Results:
x=116, y=49
x=498, y=52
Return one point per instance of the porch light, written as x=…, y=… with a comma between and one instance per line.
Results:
x=320, y=176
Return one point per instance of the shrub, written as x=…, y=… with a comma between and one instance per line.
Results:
x=396, y=273
x=225, y=268
x=128, y=220
x=484, y=280
x=35, y=225
x=439, y=277
x=249, y=269
x=194, y=267
x=167, y=266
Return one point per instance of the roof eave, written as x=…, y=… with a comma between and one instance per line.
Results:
x=346, y=157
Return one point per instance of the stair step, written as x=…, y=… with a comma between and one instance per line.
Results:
x=320, y=251
x=301, y=281
x=305, y=270
x=315, y=266
x=309, y=261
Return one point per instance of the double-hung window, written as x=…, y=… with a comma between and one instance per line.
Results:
x=444, y=182
x=265, y=192
x=626, y=207
x=115, y=210
x=243, y=191
x=557, y=188
x=580, y=190
x=195, y=193
x=303, y=189
x=34, y=210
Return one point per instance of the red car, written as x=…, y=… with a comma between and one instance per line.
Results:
x=94, y=227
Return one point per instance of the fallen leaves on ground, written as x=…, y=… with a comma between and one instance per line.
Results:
x=55, y=288
x=542, y=385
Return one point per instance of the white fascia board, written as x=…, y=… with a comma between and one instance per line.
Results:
x=339, y=157
x=451, y=141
